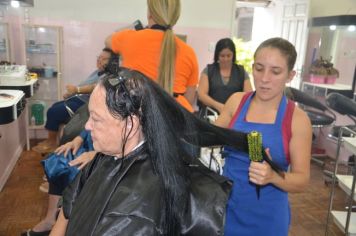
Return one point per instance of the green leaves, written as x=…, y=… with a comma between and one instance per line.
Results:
x=244, y=54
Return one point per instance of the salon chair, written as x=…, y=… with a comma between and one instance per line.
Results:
x=319, y=114
x=83, y=97
x=78, y=119
x=75, y=125
x=344, y=106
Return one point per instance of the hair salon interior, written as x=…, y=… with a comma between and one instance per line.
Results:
x=48, y=44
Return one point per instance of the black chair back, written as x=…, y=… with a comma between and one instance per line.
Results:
x=317, y=116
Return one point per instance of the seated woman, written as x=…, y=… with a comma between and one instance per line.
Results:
x=58, y=114
x=140, y=182
x=222, y=78
x=82, y=148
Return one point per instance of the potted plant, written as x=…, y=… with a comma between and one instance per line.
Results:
x=244, y=54
x=322, y=71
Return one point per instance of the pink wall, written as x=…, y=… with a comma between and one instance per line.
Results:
x=16, y=39
x=346, y=58
x=83, y=41
x=313, y=42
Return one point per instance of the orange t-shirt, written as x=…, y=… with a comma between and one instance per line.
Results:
x=140, y=50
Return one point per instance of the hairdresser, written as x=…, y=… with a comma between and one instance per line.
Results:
x=158, y=53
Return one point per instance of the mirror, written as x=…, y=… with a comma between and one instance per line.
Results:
x=334, y=39
x=4, y=43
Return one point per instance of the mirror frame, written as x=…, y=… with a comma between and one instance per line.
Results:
x=332, y=20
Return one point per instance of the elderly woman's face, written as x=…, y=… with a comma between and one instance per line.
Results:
x=106, y=131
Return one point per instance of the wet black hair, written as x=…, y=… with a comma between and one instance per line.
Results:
x=114, y=63
x=166, y=126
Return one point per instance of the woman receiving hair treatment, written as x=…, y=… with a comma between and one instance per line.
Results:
x=141, y=182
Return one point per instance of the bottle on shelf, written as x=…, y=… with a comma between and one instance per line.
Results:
x=33, y=121
x=37, y=110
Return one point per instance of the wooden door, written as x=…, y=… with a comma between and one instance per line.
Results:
x=294, y=28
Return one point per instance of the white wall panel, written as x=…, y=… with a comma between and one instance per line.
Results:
x=331, y=8
x=195, y=13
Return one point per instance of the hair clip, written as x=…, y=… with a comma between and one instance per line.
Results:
x=116, y=80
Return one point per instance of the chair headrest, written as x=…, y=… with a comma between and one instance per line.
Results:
x=341, y=104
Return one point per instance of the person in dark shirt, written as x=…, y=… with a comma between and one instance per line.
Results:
x=222, y=78
x=58, y=113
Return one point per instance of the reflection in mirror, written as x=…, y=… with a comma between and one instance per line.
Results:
x=336, y=43
x=4, y=43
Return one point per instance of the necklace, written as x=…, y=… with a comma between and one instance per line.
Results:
x=225, y=79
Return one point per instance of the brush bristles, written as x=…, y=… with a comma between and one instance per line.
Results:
x=254, y=140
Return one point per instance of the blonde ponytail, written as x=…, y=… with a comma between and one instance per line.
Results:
x=166, y=13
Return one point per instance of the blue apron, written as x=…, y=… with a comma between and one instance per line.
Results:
x=246, y=215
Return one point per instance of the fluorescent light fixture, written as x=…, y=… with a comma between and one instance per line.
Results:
x=15, y=4
x=41, y=29
x=332, y=27
x=351, y=28
x=253, y=3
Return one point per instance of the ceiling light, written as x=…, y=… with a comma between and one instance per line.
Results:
x=41, y=29
x=253, y=3
x=332, y=27
x=351, y=28
x=15, y=4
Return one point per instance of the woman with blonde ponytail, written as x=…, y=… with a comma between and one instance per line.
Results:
x=158, y=53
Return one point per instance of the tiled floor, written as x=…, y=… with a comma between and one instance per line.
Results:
x=22, y=205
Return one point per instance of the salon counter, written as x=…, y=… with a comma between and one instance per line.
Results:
x=13, y=131
x=322, y=90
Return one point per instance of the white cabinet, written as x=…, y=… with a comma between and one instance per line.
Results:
x=322, y=90
x=340, y=218
x=345, y=220
x=43, y=46
x=12, y=141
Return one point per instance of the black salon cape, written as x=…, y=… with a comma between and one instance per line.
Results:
x=105, y=199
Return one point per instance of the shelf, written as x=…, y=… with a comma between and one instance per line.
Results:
x=36, y=126
x=350, y=144
x=40, y=52
x=340, y=220
x=54, y=78
x=51, y=100
x=345, y=183
x=43, y=51
x=330, y=86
